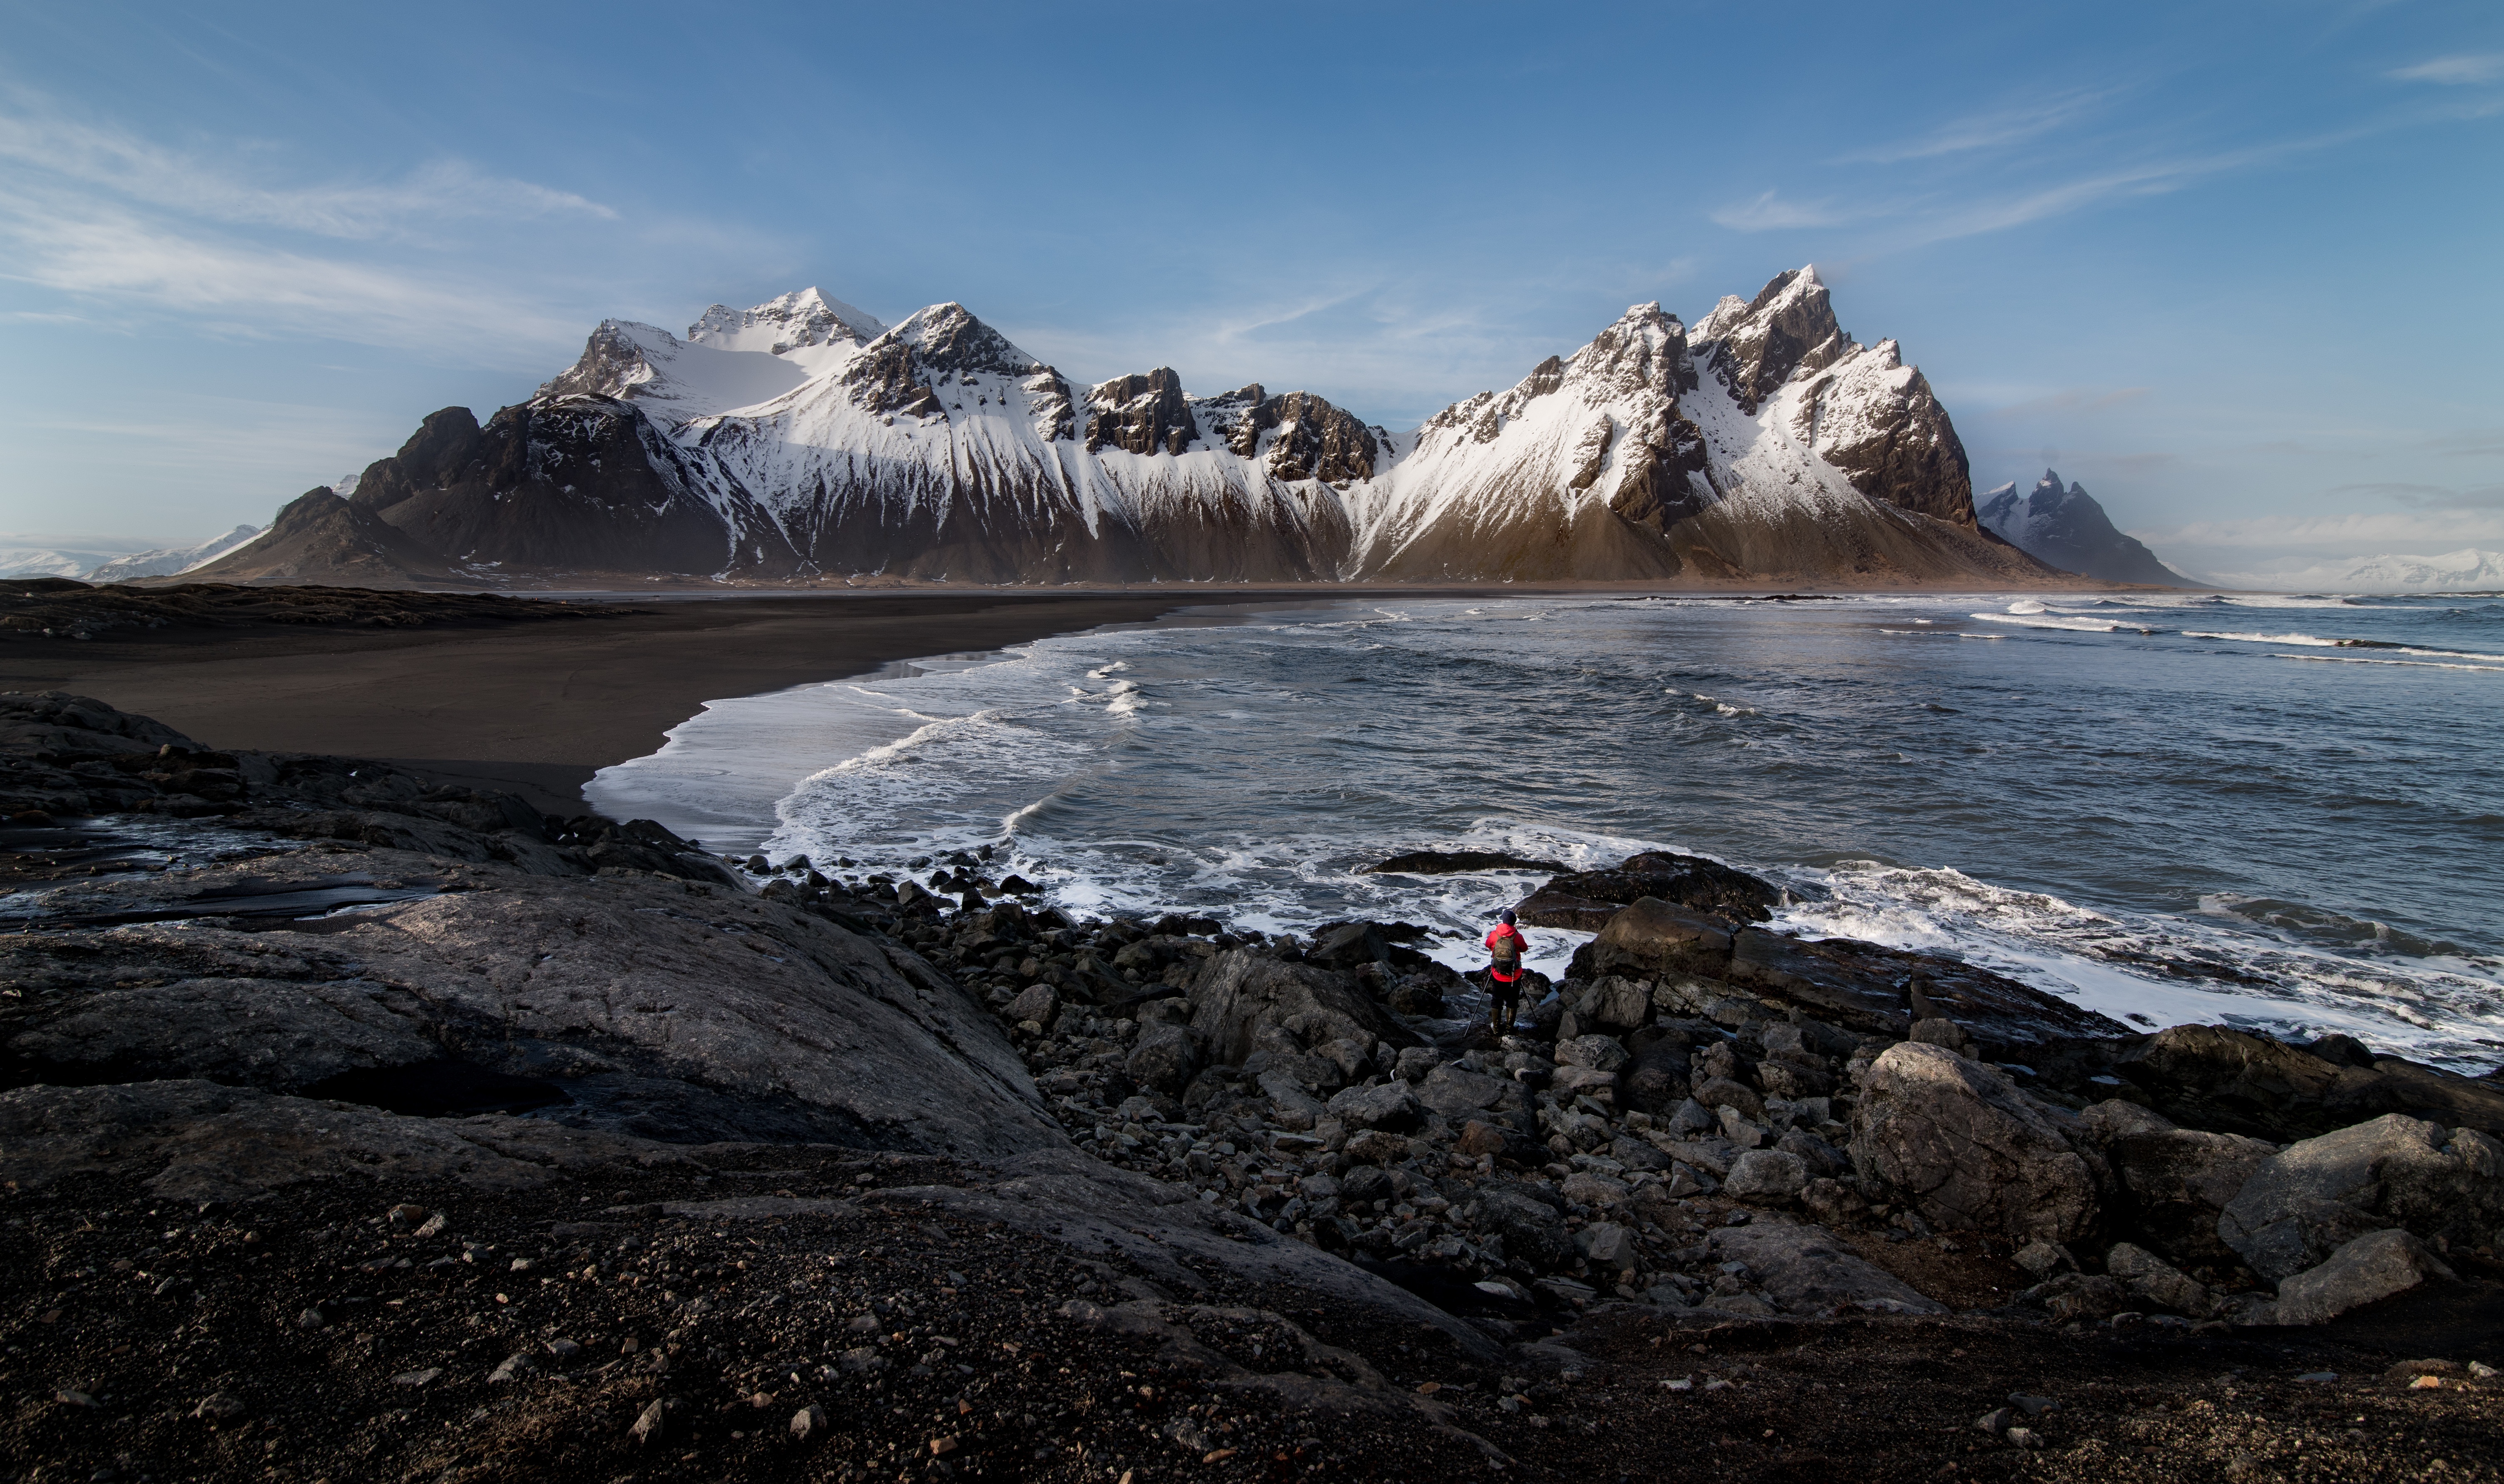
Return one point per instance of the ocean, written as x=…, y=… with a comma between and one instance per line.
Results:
x=2284, y=814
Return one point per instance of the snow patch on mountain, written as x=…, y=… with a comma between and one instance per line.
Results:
x=169, y=560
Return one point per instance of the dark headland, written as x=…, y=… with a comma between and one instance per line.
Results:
x=399, y=1120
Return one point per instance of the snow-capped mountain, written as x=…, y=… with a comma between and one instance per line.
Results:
x=2067, y=528
x=804, y=438
x=170, y=561
x=2467, y=569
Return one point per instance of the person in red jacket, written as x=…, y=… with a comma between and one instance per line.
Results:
x=1506, y=948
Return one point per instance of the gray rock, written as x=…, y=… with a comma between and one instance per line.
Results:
x=1651, y=939
x=1691, y=1119
x=1456, y=1093
x=649, y=1424
x=1414, y=1062
x=1531, y=1229
x=809, y=1421
x=1391, y=1108
x=2305, y=1203
x=1658, y=1076
x=1296, y=1107
x=1243, y=991
x=1968, y=1149
x=1039, y=1003
x=2174, y=1182
x=2366, y=1269
x=1804, y=1269
x=1608, y=1247
x=1616, y=1003
x=1766, y=1176
x=1600, y=1053
x=2158, y=1283
x=516, y=1365
x=2044, y=1259
x=1165, y=1057
x=1589, y=1188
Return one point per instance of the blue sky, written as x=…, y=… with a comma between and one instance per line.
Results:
x=2233, y=266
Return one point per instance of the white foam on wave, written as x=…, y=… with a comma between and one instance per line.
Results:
x=2041, y=618
x=2352, y=659
x=2153, y=972
x=2265, y=639
x=720, y=774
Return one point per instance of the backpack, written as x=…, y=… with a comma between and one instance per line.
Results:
x=1507, y=947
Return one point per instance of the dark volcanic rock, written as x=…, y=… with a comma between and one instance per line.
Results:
x=1142, y=414
x=1869, y=989
x=1455, y=862
x=2234, y=1082
x=1588, y=899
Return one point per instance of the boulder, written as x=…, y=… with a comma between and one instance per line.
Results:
x=2175, y=1181
x=1614, y=1004
x=1456, y=1093
x=1867, y=990
x=2364, y=1269
x=1600, y=1053
x=1243, y=991
x=1651, y=939
x=1589, y=1188
x=1723, y=1093
x=1970, y=1151
x=2234, y=1082
x=1039, y=1003
x=1609, y=1248
x=1655, y=1079
x=1390, y=1107
x=1506, y=1144
x=1530, y=1226
x=2304, y=1203
x=1587, y=900
x=1768, y=1177
x=1348, y=946
x=1165, y=1057
x=2159, y=1284
x=1290, y=1104
x=1803, y=1269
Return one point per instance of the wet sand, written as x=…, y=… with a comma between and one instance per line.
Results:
x=534, y=709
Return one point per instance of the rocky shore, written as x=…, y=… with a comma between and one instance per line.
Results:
x=359, y=1126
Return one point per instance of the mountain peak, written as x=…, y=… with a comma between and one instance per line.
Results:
x=789, y=322
x=1787, y=328
x=947, y=337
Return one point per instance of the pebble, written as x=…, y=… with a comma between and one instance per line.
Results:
x=219, y=1406
x=417, y=1377
x=648, y=1426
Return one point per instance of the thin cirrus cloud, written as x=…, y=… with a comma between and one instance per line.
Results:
x=128, y=230
x=1995, y=130
x=2453, y=71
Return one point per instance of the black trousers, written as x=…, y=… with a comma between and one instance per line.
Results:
x=1505, y=1002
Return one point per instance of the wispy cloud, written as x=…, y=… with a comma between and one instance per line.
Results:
x=130, y=231
x=1993, y=131
x=189, y=184
x=1770, y=213
x=2454, y=70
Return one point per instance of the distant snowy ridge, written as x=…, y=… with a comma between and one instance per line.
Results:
x=169, y=560
x=2068, y=529
x=805, y=437
x=2467, y=569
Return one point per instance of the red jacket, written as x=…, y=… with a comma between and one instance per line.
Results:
x=1502, y=929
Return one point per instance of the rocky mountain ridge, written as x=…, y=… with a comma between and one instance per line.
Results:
x=804, y=439
x=2065, y=528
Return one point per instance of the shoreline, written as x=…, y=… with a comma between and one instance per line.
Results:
x=532, y=710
